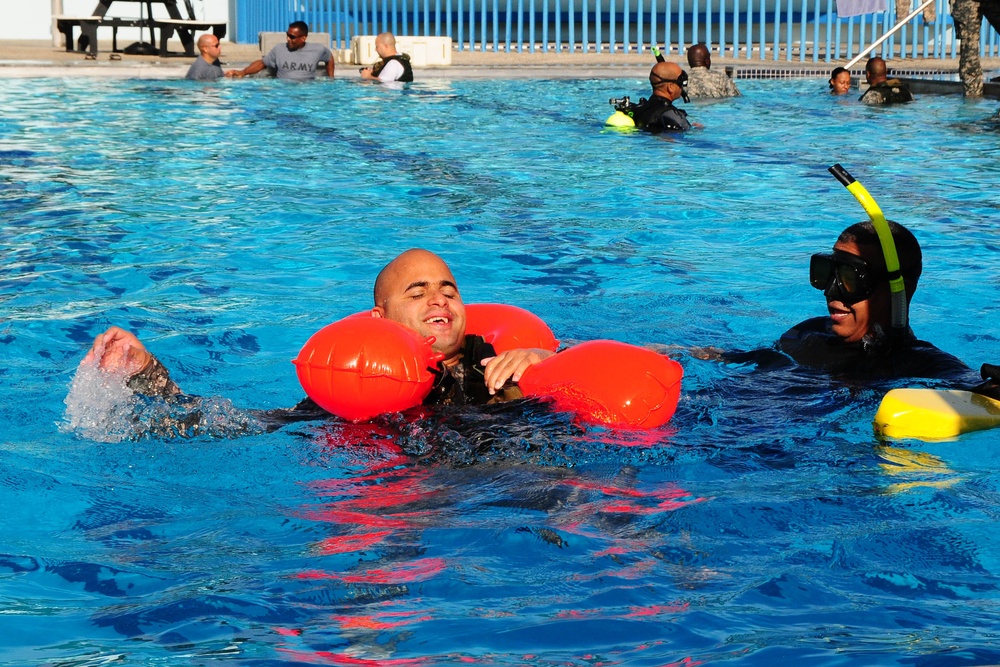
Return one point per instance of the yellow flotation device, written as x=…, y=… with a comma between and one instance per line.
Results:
x=934, y=414
x=619, y=119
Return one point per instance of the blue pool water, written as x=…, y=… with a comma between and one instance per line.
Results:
x=224, y=224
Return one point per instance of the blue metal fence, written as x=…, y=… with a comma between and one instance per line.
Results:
x=763, y=30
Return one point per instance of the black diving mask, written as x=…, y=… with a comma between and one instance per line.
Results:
x=844, y=277
x=681, y=82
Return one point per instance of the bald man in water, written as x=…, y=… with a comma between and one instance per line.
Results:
x=881, y=89
x=658, y=113
x=702, y=80
x=417, y=290
x=391, y=65
x=207, y=67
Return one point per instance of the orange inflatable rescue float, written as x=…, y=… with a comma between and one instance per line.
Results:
x=360, y=367
x=606, y=382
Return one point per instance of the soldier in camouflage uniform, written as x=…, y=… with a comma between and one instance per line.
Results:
x=968, y=16
x=702, y=81
x=881, y=89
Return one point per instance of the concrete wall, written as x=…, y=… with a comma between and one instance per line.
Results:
x=32, y=19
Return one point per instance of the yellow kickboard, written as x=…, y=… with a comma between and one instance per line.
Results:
x=934, y=414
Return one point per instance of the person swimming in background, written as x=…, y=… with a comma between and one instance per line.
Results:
x=416, y=289
x=658, y=113
x=882, y=89
x=840, y=81
x=391, y=65
x=703, y=81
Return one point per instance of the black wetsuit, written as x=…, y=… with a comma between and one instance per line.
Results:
x=462, y=383
x=878, y=356
x=658, y=114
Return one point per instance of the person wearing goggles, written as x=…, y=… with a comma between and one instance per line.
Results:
x=857, y=336
x=658, y=113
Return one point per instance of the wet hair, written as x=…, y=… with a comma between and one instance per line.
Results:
x=301, y=25
x=907, y=249
x=837, y=71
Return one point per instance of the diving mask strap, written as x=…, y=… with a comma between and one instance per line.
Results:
x=897, y=288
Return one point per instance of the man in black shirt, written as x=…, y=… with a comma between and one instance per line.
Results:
x=658, y=113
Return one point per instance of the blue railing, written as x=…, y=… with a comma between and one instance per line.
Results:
x=763, y=30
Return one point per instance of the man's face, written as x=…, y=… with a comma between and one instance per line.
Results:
x=382, y=49
x=421, y=294
x=295, y=39
x=211, y=46
x=852, y=322
x=841, y=84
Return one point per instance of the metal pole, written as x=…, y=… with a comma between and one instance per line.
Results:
x=57, y=10
x=909, y=17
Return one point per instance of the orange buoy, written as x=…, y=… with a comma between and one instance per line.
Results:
x=360, y=367
x=607, y=382
x=508, y=327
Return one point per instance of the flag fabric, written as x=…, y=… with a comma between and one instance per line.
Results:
x=846, y=8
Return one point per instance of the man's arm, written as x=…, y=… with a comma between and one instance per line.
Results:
x=120, y=352
x=330, y=66
x=252, y=68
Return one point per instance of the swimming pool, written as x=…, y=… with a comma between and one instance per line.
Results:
x=224, y=224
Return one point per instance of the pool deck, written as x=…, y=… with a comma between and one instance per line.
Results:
x=40, y=59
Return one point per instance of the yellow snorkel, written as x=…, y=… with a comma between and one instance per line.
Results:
x=896, y=287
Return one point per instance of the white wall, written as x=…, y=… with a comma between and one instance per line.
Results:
x=32, y=19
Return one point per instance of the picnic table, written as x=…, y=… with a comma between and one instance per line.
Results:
x=176, y=23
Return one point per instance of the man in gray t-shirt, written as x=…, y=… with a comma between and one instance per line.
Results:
x=207, y=66
x=295, y=59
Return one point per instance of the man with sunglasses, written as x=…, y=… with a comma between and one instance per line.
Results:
x=858, y=336
x=658, y=113
x=295, y=59
x=207, y=67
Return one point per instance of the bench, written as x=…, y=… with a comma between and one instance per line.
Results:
x=185, y=29
x=88, y=30
x=89, y=24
